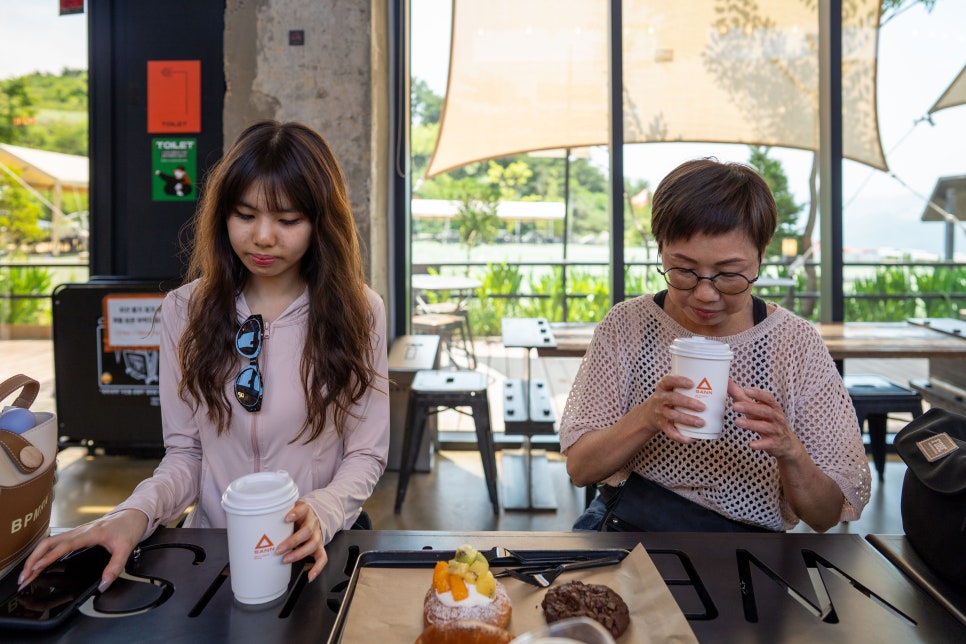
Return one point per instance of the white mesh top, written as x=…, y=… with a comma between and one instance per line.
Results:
x=783, y=354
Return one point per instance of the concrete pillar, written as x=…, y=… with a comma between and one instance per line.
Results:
x=334, y=82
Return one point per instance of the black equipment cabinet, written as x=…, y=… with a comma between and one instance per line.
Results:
x=133, y=233
x=106, y=396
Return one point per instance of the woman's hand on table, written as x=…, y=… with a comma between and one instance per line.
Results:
x=117, y=533
x=306, y=540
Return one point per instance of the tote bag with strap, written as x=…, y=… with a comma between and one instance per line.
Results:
x=933, y=504
x=26, y=476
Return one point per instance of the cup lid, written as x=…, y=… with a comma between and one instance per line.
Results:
x=259, y=491
x=701, y=347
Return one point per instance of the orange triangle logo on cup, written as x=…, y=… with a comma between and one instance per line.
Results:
x=704, y=386
x=264, y=542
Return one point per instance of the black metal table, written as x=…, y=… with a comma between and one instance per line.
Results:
x=732, y=587
x=897, y=549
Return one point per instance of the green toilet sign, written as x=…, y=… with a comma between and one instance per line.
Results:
x=174, y=165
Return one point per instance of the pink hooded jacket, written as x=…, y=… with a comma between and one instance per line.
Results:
x=335, y=474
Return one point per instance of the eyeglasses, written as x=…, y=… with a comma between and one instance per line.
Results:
x=248, y=344
x=684, y=279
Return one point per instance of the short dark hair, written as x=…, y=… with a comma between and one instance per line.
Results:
x=706, y=196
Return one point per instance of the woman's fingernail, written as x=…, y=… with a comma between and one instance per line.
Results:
x=20, y=580
x=101, y=587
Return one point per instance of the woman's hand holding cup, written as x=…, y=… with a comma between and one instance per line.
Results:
x=759, y=412
x=306, y=540
x=668, y=408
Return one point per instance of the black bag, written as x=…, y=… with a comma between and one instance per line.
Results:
x=934, y=491
x=641, y=505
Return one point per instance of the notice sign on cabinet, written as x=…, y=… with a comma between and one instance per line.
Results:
x=131, y=321
x=174, y=96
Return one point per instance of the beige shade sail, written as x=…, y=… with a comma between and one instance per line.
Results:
x=45, y=170
x=954, y=95
x=37, y=170
x=533, y=75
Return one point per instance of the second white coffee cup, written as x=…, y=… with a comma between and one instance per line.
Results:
x=706, y=362
x=255, y=506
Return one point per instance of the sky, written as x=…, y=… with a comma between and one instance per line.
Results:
x=34, y=37
x=920, y=54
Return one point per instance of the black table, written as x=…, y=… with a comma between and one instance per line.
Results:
x=732, y=587
x=897, y=549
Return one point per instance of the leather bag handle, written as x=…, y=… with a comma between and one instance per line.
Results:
x=21, y=452
x=30, y=390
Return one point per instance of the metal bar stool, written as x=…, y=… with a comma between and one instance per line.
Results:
x=874, y=397
x=445, y=325
x=435, y=389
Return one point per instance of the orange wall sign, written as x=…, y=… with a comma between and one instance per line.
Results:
x=174, y=96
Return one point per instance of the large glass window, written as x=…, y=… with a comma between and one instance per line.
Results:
x=514, y=190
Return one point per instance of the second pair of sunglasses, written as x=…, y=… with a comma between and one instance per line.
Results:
x=248, y=382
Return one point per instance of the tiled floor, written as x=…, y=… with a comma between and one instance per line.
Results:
x=450, y=497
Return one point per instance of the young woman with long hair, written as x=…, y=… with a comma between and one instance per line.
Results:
x=273, y=357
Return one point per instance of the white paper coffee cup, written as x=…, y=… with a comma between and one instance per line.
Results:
x=255, y=506
x=706, y=362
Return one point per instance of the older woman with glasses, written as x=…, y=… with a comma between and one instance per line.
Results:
x=273, y=357
x=791, y=449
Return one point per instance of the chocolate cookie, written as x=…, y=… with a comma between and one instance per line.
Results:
x=595, y=601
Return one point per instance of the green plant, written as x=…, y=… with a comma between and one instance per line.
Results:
x=486, y=316
x=594, y=300
x=889, y=294
x=550, y=306
x=20, y=213
x=588, y=295
x=25, y=281
x=639, y=280
x=887, y=281
x=945, y=281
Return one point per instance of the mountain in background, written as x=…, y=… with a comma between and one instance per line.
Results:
x=892, y=223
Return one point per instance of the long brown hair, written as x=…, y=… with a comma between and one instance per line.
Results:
x=291, y=161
